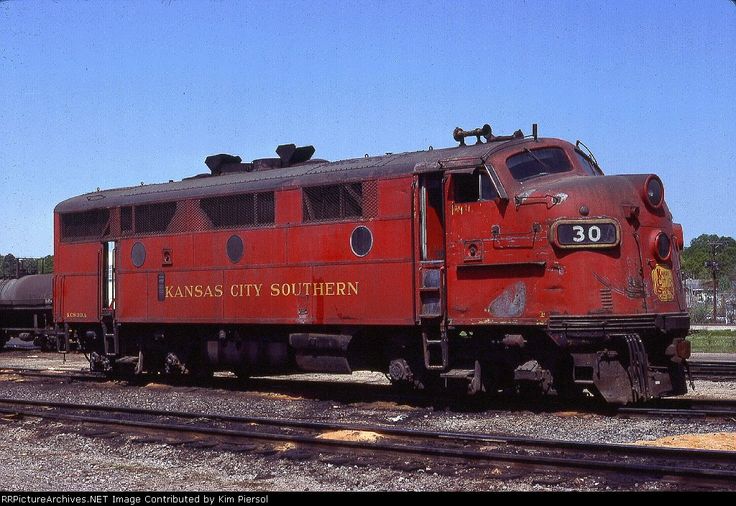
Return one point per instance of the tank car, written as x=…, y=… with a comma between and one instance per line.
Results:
x=26, y=310
x=507, y=263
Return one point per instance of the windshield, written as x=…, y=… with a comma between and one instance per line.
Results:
x=538, y=162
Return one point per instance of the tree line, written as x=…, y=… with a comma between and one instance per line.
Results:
x=12, y=266
x=700, y=251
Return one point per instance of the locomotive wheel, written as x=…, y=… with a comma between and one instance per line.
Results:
x=564, y=383
x=679, y=381
x=570, y=391
x=243, y=374
x=48, y=344
x=530, y=390
x=201, y=373
x=410, y=375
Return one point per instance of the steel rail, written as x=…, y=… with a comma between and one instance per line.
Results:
x=694, y=407
x=713, y=369
x=678, y=470
x=58, y=374
x=684, y=407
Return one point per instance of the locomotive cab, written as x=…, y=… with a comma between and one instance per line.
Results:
x=583, y=267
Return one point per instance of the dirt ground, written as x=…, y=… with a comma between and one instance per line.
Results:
x=709, y=441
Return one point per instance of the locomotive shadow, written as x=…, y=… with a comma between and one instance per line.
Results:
x=361, y=394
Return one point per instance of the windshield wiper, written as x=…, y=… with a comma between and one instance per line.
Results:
x=549, y=169
x=589, y=155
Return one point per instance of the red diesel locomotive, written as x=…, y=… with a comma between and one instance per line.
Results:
x=509, y=263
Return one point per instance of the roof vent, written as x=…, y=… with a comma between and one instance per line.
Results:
x=224, y=163
x=289, y=155
x=292, y=155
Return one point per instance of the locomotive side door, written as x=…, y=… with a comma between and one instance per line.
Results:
x=429, y=240
x=108, y=278
x=429, y=203
x=475, y=200
x=108, y=295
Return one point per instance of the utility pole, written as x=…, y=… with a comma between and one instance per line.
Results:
x=714, y=267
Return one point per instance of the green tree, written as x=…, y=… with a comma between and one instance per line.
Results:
x=10, y=266
x=700, y=313
x=47, y=264
x=8, y=269
x=699, y=251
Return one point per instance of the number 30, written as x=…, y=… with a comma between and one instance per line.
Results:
x=594, y=233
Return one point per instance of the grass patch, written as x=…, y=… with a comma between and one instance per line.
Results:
x=713, y=341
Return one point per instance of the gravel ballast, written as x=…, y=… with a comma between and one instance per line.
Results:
x=38, y=455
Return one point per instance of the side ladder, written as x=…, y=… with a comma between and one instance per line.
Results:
x=111, y=339
x=431, y=314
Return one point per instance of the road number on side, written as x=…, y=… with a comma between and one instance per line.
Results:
x=572, y=235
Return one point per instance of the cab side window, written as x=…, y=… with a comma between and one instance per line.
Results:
x=473, y=187
x=587, y=165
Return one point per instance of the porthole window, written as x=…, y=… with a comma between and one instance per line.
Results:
x=235, y=248
x=361, y=241
x=138, y=254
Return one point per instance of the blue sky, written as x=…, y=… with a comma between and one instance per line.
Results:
x=112, y=93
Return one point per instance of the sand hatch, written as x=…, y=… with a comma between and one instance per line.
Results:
x=708, y=441
x=362, y=436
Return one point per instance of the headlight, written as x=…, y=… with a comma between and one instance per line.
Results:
x=654, y=192
x=662, y=247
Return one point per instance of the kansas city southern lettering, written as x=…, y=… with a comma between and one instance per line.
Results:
x=327, y=289
x=321, y=289
x=193, y=291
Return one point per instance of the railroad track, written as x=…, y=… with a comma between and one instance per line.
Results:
x=698, y=468
x=78, y=375
x=720, y=408
x=713, y=370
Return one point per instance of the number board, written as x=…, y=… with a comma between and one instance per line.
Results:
x=586, y=234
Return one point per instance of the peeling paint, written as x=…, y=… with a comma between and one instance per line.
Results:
x=510, y=303
x=557, y=267
x=526, y=193
x=560, y=198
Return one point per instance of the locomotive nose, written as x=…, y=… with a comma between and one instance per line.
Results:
x=629, y=197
